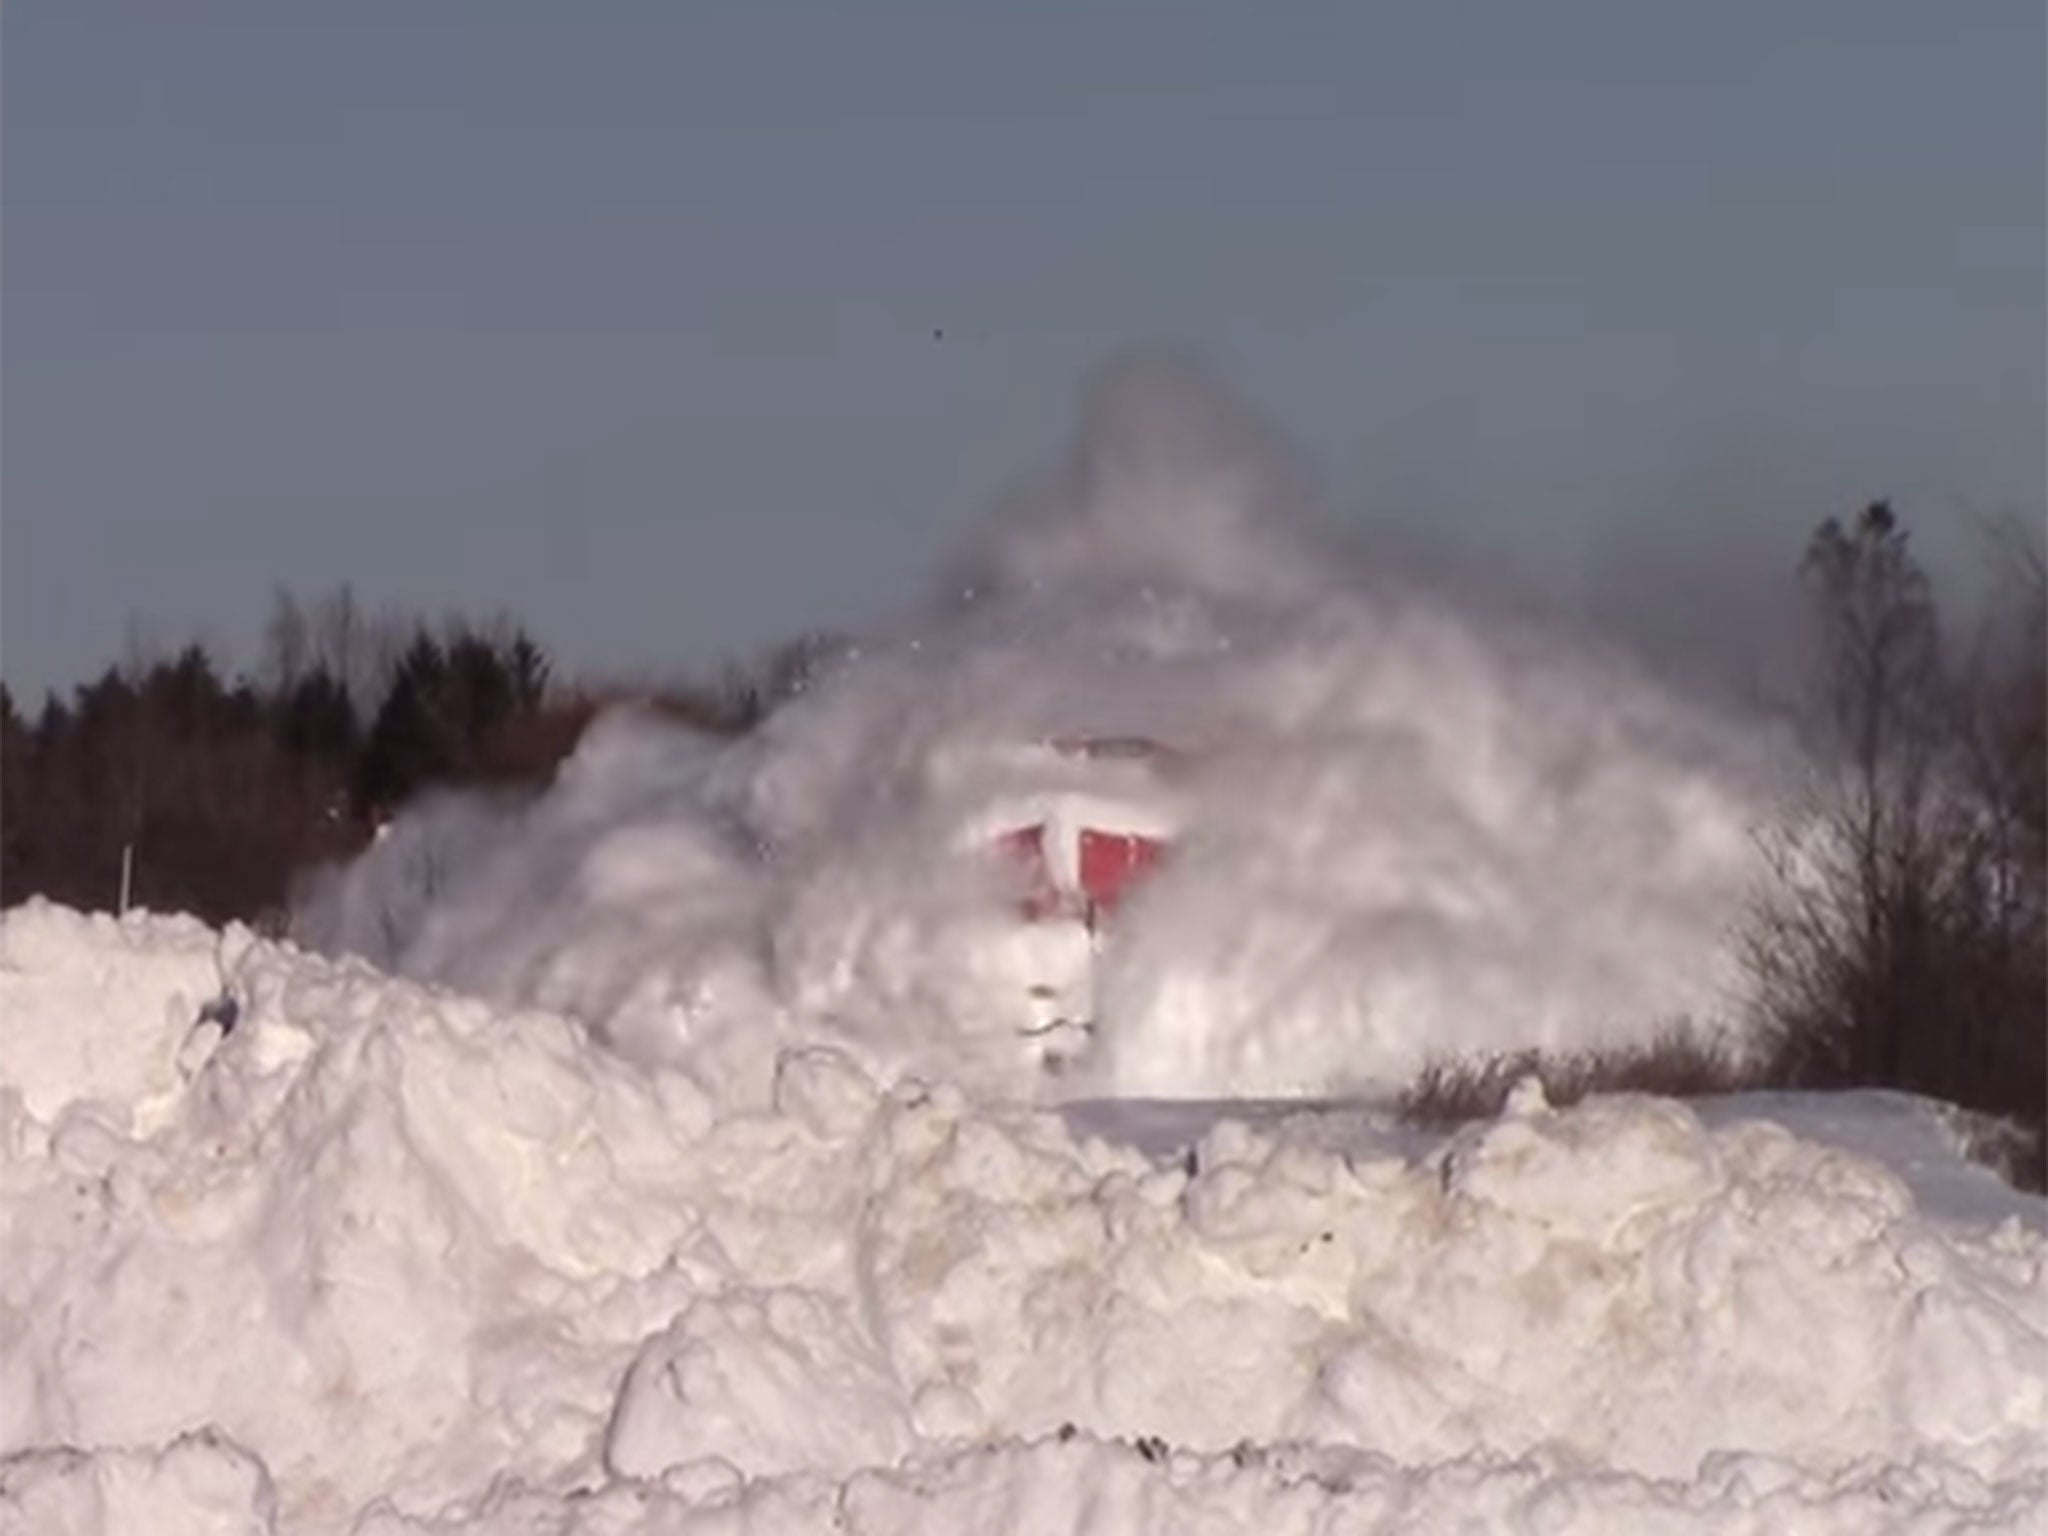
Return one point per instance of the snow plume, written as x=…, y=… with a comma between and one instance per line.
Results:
x=1401, y=825
x=1171, y=486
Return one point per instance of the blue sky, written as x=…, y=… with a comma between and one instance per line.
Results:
x=620, y=317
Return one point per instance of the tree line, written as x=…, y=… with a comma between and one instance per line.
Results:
x=184, y=789
x=1900, y=938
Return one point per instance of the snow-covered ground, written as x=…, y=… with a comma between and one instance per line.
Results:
x=386, y=1258
x=661, y=1153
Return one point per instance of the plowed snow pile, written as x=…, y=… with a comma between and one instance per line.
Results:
x=393, y=1260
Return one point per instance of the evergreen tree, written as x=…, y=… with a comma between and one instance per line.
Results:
x=526, y=667
x=17, y=796
x=317, y=720
x=411, y=742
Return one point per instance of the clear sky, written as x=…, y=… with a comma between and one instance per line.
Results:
x=621, y=316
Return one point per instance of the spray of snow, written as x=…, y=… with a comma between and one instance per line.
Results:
x=1403, y=826
x=384, y=1258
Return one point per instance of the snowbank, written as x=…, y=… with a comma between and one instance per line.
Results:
x=1409, y=826
x=387, y=1258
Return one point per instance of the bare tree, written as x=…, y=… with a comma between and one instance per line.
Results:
x=2004, y=728
x=333, y=634
x=1900, y=942
x=286, y=642
x=1879, y=709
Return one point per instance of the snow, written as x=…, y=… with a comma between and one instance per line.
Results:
x=1405, y=825
x=388, y=1258
x=661, y=1152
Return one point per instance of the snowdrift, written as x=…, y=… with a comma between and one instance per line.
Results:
x=387, y=1258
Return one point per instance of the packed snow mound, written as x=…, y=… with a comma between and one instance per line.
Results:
x=1082, y=1485
x=1405, y=826
x=388, y=1258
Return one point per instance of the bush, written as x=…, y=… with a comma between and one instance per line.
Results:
x=1678, y=1064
